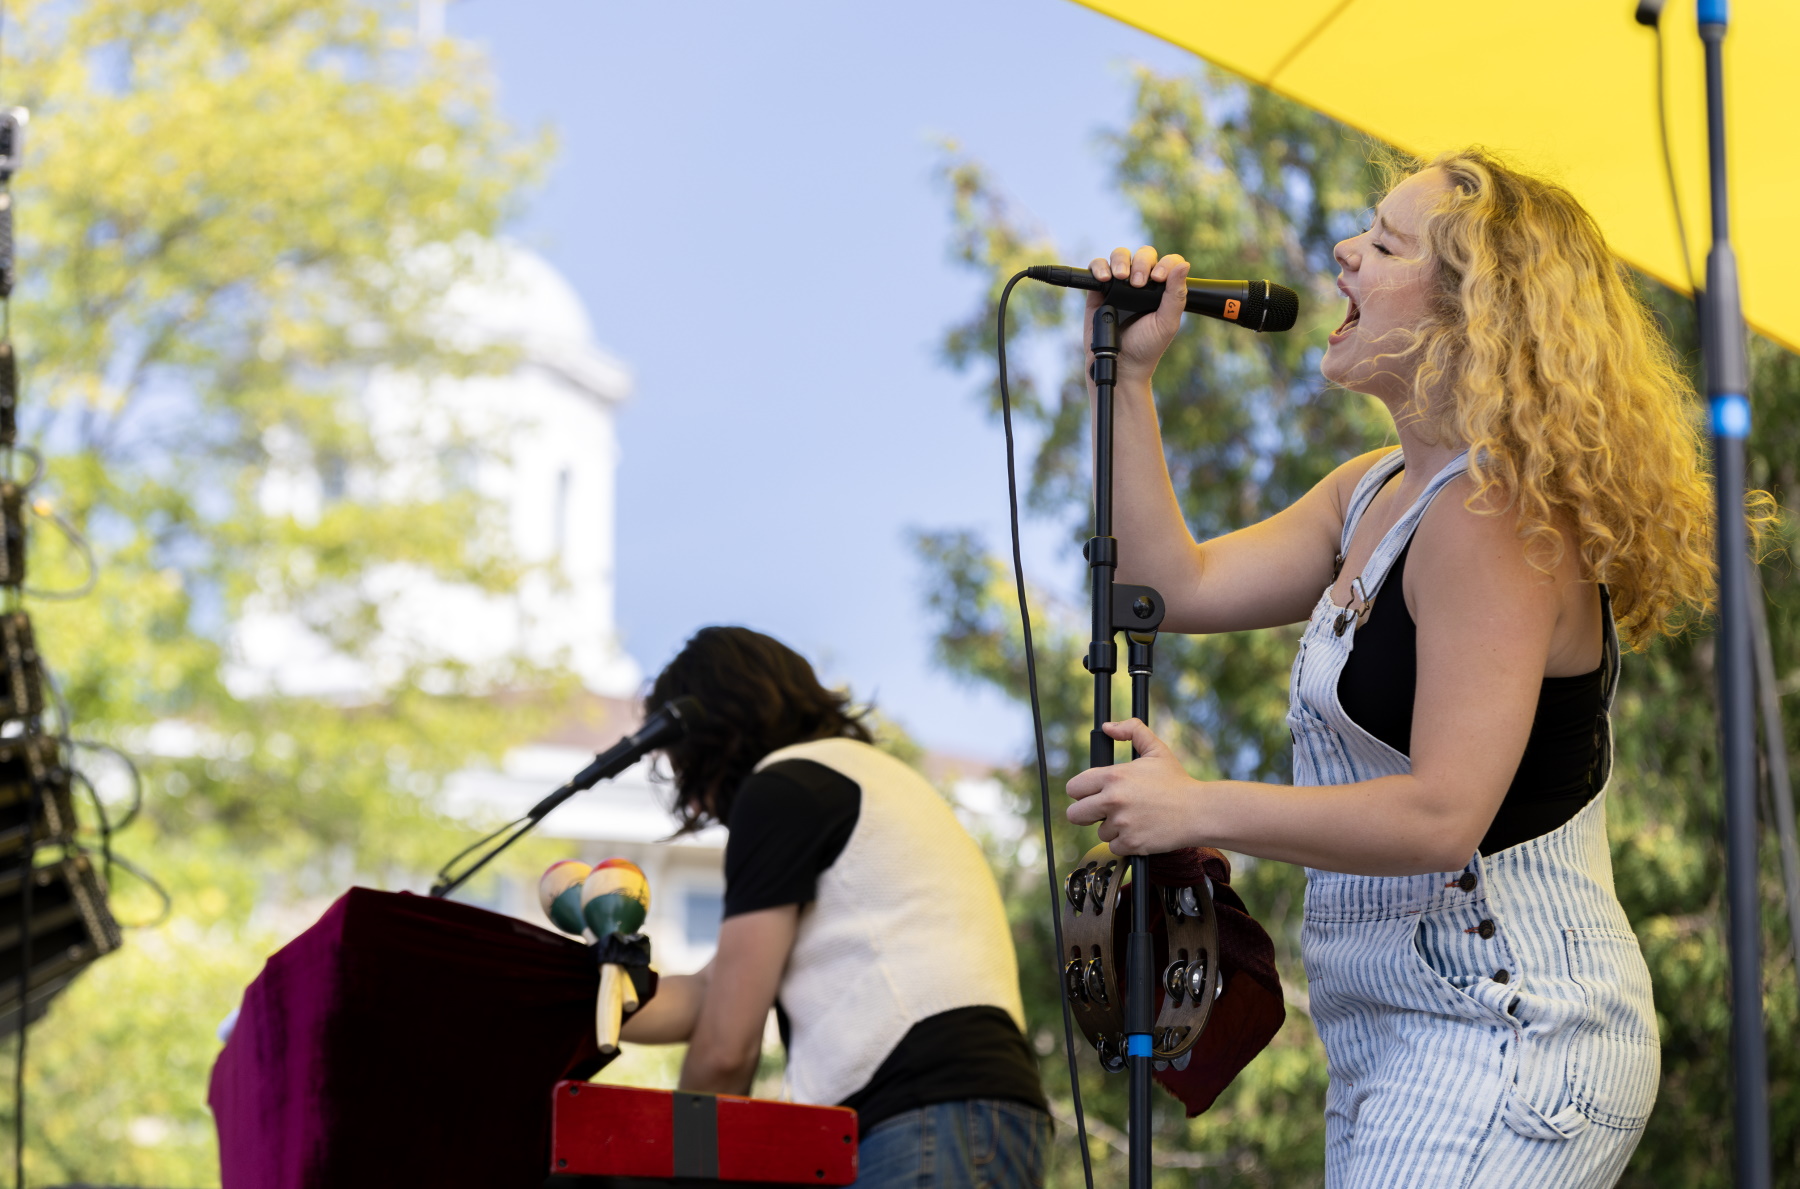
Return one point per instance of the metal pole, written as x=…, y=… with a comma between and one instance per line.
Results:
x=1727, y=388
x=1102, y=661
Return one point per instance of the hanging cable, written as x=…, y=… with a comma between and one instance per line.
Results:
x=131, y=768
x=19, y=449
x=45, y=510
x=1037, y=731
x=25, y=881
x=105, y=827
x=156, y=889
x=1662, y=124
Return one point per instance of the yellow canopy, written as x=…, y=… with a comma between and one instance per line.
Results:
x=1565, y=88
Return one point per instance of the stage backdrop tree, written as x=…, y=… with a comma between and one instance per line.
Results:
x=1246, y=184
x=232, y=212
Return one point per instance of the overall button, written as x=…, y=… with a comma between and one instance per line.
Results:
x=1486, y=929
x=1503, y=976
x=1467, y=882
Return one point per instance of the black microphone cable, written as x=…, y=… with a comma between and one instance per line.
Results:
x=1037, y=730
x=1649, y=12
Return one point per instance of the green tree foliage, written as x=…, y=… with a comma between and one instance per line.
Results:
x=1246, y=184
x=232, y=214
x=1665, y=817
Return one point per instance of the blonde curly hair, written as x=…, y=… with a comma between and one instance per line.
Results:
x=1540, y=355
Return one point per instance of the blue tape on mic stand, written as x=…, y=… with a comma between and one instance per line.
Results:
x=1730, y=416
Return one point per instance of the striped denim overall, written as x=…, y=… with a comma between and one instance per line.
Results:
x=1484, y=1027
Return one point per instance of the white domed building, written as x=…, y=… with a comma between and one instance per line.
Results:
x=555, y=412
x=547, y=464
x=546, y=459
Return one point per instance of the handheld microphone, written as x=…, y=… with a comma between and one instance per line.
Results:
x=1257, y=305
x=663, y=728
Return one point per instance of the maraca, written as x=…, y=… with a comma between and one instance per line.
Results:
x=559, y=894
x=615, y=898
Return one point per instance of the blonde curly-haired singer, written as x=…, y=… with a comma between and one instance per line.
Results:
x=1484, y=1006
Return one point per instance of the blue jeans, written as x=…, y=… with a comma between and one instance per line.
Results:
x=978, y=1143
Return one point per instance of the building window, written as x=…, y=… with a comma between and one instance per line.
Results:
x=560, y=518
x=334, y=477
x=701, y=911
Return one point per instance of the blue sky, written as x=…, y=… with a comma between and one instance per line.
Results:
x=746, y=198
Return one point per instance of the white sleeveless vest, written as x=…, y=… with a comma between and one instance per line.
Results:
x=908, y=923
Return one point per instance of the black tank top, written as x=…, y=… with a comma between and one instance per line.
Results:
x=1557, y=774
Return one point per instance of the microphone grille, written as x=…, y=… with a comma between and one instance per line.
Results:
x=1281, y=306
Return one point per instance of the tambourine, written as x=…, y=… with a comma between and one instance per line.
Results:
x=1096, y=913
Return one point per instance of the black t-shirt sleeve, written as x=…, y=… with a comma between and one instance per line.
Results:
x=788, y=823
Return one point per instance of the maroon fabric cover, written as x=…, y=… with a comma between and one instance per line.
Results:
x=404, y=1040
x=1249, y=1010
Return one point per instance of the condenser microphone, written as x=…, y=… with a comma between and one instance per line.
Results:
x=1258, y=305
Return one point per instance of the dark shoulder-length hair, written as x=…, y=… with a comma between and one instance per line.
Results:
x=758, y=695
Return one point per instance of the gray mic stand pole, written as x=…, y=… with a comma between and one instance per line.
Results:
x=1102, y=661
x=1727, y=391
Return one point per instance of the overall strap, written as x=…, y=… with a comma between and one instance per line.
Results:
x=1610, y=665
x=1375, y=572
x=1610, y=660
x=1372, y=481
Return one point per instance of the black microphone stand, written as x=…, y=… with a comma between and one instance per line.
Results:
x=1727, y=391
x=446, y=883
x=665, y=727
x=1137, y=611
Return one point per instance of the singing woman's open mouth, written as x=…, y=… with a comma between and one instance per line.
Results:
x=1350, y=320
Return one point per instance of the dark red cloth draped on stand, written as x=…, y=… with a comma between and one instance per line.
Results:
x=1249, y=1010
x=403, y=1040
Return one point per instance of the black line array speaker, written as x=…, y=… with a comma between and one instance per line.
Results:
x=70, y=929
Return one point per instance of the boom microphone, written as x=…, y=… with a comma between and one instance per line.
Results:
x=663, y=728
x=1258, y=305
